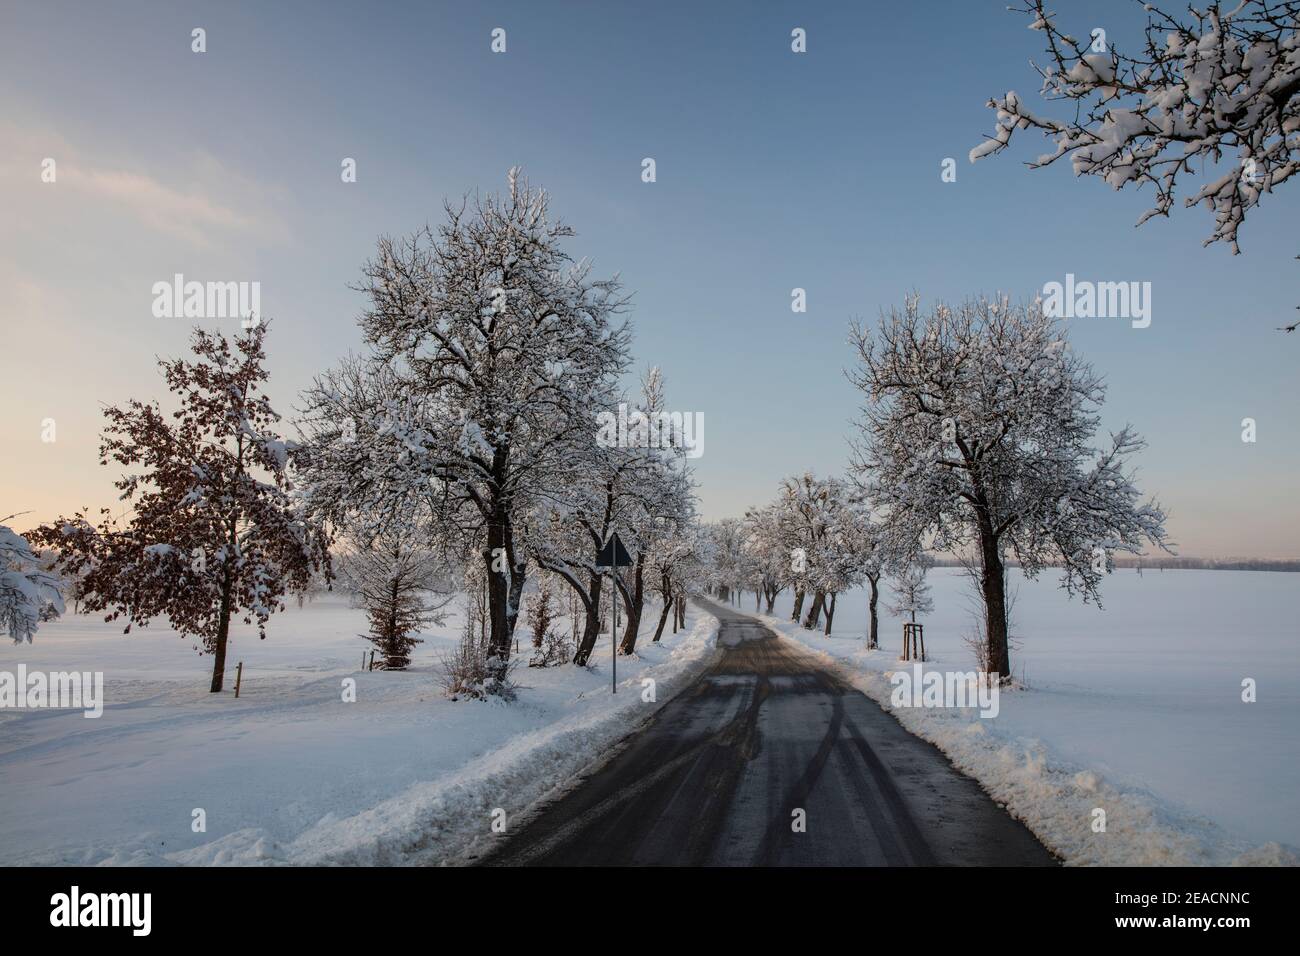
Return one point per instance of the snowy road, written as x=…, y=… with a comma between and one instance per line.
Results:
x=765, y=740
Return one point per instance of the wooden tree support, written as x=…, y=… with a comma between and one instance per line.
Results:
x=913, y=634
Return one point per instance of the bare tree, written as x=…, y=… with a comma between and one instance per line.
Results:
x=911, y=593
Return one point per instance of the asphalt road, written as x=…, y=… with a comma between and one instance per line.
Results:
x=716, y=776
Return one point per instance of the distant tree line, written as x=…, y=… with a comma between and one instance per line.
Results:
x=1173, y=563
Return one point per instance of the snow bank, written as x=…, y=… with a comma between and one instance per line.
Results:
x=1037, y=757
x=447, y=820
x=289, y=773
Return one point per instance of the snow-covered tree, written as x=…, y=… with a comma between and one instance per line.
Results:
x=856, y=553
x=833, y=549
x=635, y=484
x=675, y=559
x=565, y=541
x=768, y=551
x=29, y=594
x=817, y=537
x=216, y=530
x=807, y=509
x=911, y=593
x=1210, y=97
x=665, y=505
x=660, y=501
x=730, y=565
x=495, y=346
x=977, y=430
x=636, y=492
x=540, y=614
x=399, y=581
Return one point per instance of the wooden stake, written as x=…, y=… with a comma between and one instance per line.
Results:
x=239, y=676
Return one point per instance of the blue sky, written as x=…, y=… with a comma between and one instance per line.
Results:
x=775, y=170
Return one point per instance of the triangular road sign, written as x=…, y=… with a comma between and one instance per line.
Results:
x=613, y=554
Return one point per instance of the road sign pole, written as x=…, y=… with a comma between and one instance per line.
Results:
x=613, y=636
x=610, y=557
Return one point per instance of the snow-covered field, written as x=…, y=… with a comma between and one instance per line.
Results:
x=1136, y=709
x=289, y=772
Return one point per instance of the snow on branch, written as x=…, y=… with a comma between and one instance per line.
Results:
x=1212, y=95
x=29, y=594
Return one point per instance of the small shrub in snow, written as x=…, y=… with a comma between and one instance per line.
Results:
x=556, y=649
x=395, y=579
x=466, y=672
x=549, y=648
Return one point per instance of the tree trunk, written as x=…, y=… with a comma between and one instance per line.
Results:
x=634, y=608
x=505, y=578
x=483, y=611
x=518, y=577
x=798, y=604
x=219, y=657
x=663, y=619
x=993, y=587
x=815, y=612
x=665, y=592
x=830, y=614
x=498, y=649
x=873, y=637
x=591, y=626
x=223, y=629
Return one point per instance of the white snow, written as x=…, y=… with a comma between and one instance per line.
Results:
x=289, y=773
x=1136, y=709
